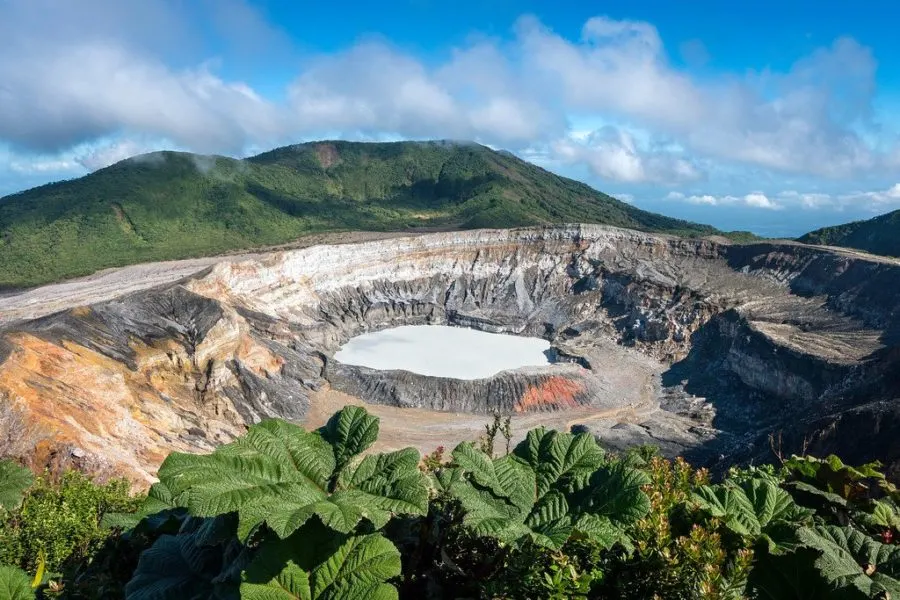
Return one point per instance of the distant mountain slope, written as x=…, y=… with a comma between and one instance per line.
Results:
x=880, y=235
x=169, y=205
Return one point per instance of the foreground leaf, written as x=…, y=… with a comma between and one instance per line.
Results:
x=187, y=566
x=282, y=475
x=551, y=482
x=561, y=461
x=758, y=509
x=14, y=480
x=14, y=584
x=850, y=560
x=350, y=432
x=161, y=512
x=318, y=564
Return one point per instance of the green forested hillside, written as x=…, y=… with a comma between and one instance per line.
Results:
x=170, y=205
x=880, y=235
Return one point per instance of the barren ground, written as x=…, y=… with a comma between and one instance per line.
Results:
x=115, y=282
x=428, y=429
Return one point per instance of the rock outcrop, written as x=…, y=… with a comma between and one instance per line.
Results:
x=706, y=346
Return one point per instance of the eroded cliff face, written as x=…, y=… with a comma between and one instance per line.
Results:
x=701, y=346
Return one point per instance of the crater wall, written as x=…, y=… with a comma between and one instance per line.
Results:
x=700, y=344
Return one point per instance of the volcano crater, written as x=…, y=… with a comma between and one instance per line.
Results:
x=699, y=346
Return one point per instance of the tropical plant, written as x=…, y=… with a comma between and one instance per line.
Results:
x=353, y=567
x=851, y=561
x=14, y=584
x=283, y=513
x=59, y=521
x=758, y=510
x=553, y=486
x=678, y=552
x=830, y=475
x=14, y=480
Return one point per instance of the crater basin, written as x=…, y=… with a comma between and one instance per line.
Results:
x=443, y=351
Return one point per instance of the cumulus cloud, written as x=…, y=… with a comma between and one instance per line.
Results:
x=874, y=201
x=811, y=200
x=98, y=89
x=107, y=69
x=752, y=200
x=102, y=156
x=616, y=155
x=805, y=120
x=759, y=200
x=42, y=165
x=373, y=87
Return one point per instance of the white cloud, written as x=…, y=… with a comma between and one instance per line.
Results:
x=99, y=89
x=372, y=88
x=870, y=201
x=616, y=155
x=874, y=201
x=811, y=200
x=707, y=199
x=107, y=69
x=102, y=156
x=752, y=200
x=805, y=120
x=760, y=200
x=42, y=165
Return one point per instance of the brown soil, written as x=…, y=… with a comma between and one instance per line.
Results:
x=425, y=430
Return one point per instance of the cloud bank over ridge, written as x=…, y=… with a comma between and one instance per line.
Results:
x=104, y=83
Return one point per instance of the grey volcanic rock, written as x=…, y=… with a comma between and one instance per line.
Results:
x=520, y=390
x=702, y=347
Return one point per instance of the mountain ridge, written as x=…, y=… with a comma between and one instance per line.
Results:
x=878, y=235
x=171, y=205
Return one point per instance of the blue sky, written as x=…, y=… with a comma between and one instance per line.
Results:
x=777, y=117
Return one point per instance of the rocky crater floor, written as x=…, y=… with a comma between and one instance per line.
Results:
x=705, y=348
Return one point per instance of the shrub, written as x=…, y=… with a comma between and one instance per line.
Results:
x=284, y=513
x=59, y=522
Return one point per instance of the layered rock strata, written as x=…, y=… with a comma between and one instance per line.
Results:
x=699, y=344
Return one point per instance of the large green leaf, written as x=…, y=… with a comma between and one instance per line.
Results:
x=490, y=516
x=831, y=475
x=852, y=561
x=506, y=477
x=385, y=484
x=814, y=496
x=560, y=461
x=14, y=584
x=317, y=564
x=291, y=583
x=793, y=576
x=350, y=432
x=191, y=565
x=883, y=515
x=757, y=509
x=551, y=482
x=614, y=492
x=603, y=531
x=14, y=480
x=281, y=475
x=160, y=512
